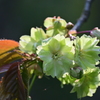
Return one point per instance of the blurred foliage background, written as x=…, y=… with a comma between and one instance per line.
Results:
x=18, y=16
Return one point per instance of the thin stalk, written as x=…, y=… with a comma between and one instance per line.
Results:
x=32, y=82
x=84, y=32
x=28, y=90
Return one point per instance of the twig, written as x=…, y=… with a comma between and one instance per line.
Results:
x=85, y=15
x=31, y=84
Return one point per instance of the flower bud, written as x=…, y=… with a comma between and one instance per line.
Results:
x=76, y=72
x=95, y=32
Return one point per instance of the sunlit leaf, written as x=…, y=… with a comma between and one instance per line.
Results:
x=7, y=45
x=9, y=57
x=7, y=54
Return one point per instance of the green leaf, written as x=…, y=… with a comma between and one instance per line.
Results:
x=87, y=85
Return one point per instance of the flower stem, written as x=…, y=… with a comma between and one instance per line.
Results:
x=32, y=82
x=84, y=32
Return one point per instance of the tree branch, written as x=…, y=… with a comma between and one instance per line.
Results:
x=85, y=15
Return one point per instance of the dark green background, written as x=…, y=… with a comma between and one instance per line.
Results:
x=18, y=16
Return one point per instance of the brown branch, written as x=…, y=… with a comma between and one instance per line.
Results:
x=85, y=15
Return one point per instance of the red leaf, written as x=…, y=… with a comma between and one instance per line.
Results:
x=9, y=57
x=4, y=68
x=6, y=54
x=12, y=87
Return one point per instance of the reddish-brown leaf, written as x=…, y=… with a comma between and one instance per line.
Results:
x=5, y=68
x=7, y=55
x=7, y=45
x=11, y=86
